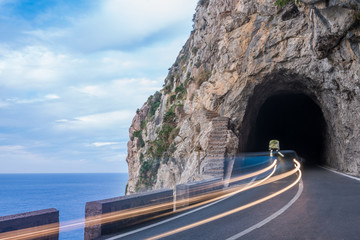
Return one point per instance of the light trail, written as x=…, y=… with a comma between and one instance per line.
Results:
x=209, y=202
x=196, y=224
x=271, y=217
x=236, y=179
x=249, y=175
x=51, y=229
x=170, y=219
x=31, y=233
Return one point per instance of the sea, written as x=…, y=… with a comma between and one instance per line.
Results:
x=68, y=193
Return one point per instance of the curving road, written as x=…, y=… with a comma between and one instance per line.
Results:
x=325, y=205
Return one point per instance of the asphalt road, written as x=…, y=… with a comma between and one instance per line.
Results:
x=328, y=207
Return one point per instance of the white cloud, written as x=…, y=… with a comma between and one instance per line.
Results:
x=3, y=104
x=94, y=91
x=88, y=72
x=49, y=97
x=128, y=93
x=12, y=148
x=31, y=67
x=21, y=159
x=123, y=22
x=107, y=120
x=52, y=97
x=103, y=144
x=125, y=86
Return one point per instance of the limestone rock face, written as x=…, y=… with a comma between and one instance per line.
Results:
x=240, y=53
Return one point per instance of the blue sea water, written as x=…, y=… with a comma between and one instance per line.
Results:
x=66, y=192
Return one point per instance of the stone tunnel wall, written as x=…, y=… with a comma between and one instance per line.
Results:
x=239, y=54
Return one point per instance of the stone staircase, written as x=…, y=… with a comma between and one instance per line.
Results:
x=210, y=115
x=215, y=154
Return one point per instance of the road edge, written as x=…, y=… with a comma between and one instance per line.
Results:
x=340, y=173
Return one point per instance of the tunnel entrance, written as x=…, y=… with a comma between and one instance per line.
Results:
x=293, y=119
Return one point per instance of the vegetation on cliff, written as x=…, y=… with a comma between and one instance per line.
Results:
x=160, y=149
x=282, y=3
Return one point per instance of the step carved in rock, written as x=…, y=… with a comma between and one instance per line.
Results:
x=214, y=161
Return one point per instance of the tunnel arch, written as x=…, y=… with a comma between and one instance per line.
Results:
x=289, y=112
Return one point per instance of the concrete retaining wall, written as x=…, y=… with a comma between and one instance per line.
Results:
x=190, y=193
x=160, y=201
x=97, y=226
x=36, y=220
x=105, y=207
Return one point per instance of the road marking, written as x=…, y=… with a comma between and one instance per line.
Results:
x=230, y=212
x=173, y=218
x=343, y=174
x=272, y=217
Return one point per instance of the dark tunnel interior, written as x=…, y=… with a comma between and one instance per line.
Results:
x=293, y=119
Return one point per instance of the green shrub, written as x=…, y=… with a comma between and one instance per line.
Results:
x=154, y=102
x=180, y=88
x=172, y=148
x=188, y=79
x=180, y=91
x=173, y=134
x=357, y=16
x=188, y=75
x=194, y=50
x=171, y=79
x=169, y=116
x=172, y=98
x=203, y=77
x=138, y=134
x=204, y=3
x=162, y=143
x=160, y=148
x=147, y=174
x=143, y=124
x=141, y=158
x=165, y=159
x=167, y=88
x=282, y=3
x=165, y=132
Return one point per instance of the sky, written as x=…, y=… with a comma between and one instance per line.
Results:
x=73, y=73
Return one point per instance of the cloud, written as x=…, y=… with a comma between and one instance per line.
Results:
x=127, y=24
x=102, y=144
x=12, y=148
x=78, y=70
x=21, y=159
x=3, y=104
x=94, y=91
x=107, y=120
x=41, y=68
x=119, y=94
x=49, y=97
x=121, y=88
x=33, y=67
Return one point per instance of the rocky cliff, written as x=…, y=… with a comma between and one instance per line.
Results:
x=239, y=55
